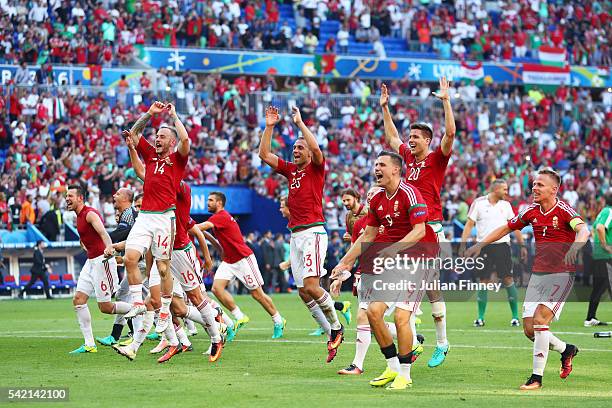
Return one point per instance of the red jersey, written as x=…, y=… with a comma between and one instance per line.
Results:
x=428, y=176
x=553, y=232
x=358, y=228
x=162, y=178
x=94, y=246
x=305, y=199
x=183, y=208
x=395, y=217
x=230, y=237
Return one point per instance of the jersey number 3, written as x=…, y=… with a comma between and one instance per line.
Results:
x=414, y=173
x=159, y=167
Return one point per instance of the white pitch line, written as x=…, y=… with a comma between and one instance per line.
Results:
x=280, y=341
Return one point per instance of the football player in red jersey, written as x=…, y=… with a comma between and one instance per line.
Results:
x=559, y=234
x=306, y=178
x=99, y=275
x=185, y=269
x=238, y=262
x=155, y=226
x=397, y=215
x=425, y=170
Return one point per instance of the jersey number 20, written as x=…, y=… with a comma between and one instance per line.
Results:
x=414, y=173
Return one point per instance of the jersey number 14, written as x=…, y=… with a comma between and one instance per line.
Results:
x=159, y=167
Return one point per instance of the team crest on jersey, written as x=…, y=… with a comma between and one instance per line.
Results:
x=555, y=222
x=380, y=208
x=395, y=206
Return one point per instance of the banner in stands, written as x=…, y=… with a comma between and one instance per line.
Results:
x=71, y=75
x=239, y=199
x=253, y=63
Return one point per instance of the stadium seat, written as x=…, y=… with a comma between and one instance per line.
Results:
x=23, y=280
x=8, y=286
x=55, y=281
x=68, y=282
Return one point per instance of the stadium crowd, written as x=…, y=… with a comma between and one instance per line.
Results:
x=111, y=32
x=53, y=136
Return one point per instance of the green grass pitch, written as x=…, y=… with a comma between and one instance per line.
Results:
x=484, y=367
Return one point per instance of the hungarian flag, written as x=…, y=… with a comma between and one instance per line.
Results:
x=324, y=64
x=473, y=72
x=546, y=77
x=552, y=56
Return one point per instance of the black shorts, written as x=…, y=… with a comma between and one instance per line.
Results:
x=497, y=258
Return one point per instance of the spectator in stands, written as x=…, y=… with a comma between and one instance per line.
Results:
x=343, y=39
x=38, y=271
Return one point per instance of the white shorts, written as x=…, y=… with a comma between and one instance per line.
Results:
x=99, y=277
x=246, y=270
x=155, y=280
x=155, y=231
x=308, y=250
x=185, y=268
x=550, y=290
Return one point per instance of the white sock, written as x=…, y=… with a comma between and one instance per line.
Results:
x=190, y=326
x=228, y=320
x=136, y=293
x=413, y=328
x=438, y=309
x=182, y=336
x=277, y=318
x=405, y=370
x=319, y=317
x=556, y=344
x=165, y=304
x=364, y=338
x=326, y=303
x=121, y=308
x=237, y=313
x=84, y=319
x=392, y=329
x=141, y=334
x=540, y=348
x=137, y=322
x=119, y=319
x=394, y=364
x=208, y=314
x=193, y=314
x=171, y=335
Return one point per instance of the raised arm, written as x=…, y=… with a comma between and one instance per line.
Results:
x=265, y=146
x=449, y=119
x=138, y=166
x=311, y=140
x=141, y=123
x=184, y=142
x=391, y=134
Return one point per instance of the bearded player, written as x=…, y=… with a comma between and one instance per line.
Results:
x=559, y=234
x=155, y=226
x=397, y=217
x=306, y=178
x=184, y=267
x=98, y=276
x=425, y=171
